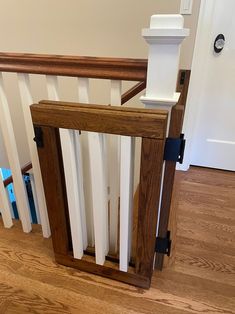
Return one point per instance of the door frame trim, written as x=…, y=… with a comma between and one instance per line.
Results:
x=200, y=58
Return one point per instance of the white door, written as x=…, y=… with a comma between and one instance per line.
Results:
x=213, y=140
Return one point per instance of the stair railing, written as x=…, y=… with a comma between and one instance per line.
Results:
x=113, y=167
x=53, y=66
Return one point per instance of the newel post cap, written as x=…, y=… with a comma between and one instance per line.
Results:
x=165, y=29
x=166, y=21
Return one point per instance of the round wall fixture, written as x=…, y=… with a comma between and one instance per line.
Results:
x=219, y=43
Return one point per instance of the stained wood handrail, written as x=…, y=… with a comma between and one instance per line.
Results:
x=136, y=89
x=92, y=67
x=24, y=169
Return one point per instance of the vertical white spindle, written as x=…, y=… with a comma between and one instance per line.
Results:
x=164, y=37
x=81, y=143
x=70, y=169
x=35, y=198
x=39, y=197
x=114, y=170
x=95, y=184
x=5, y=209
x=99, y=195
x=13, y=157
x=79, y=166
x=126, y=200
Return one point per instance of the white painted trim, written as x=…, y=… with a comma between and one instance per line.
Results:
x=166, y=21
x=83, y=167
x=160, y=103
x=79, y=164
x=37, y=184
x=186, y=7
x=35, y=198
x=211, y=140
x=126, y=199
x=113, y=150
x=13, y=157
x=197, y=79
x=99, y=196
x=97, y=214
x=164, y=38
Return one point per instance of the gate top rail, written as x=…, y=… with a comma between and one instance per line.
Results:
x=61, y=65
x=100, y=118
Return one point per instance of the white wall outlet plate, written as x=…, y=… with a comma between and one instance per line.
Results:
x=186, y=7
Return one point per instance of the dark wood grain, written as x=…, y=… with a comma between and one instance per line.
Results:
x=24, y=170
x=177, y=116
x=105, y=107
x=110, y=272
x=149, y=194
x=98, y=118
x=130, y=93
x=92, y=67
x=172, y=224
x=182, y=84
x=168, y=183
x=53, y=178
x=148, y=124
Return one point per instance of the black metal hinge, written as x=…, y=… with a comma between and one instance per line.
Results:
x=182, y=77
x=38, y=136
x=174, y=149
x=163, y=245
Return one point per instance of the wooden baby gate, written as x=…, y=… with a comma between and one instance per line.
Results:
x=150, y=125
x=57, y=131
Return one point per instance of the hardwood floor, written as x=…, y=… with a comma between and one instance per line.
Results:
x=202, y=279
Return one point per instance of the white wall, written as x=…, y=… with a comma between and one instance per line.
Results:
x=79, y=27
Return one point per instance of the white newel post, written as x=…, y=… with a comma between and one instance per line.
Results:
x=164, y=38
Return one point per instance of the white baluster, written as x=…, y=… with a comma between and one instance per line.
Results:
x=70, y=169
x=164, y=37
x=114, y=170
x=81, y=142
x=126, y=200
x=13, y=157
x=95, y=182
x=38, y=193
x=5, y=209
x=79, y=166
x=99, y=195
x=35, y=198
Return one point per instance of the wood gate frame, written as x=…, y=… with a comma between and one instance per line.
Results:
x=150, y=125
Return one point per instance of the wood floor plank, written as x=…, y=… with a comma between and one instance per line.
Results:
x=35, y=266
x=194, y=242
x=220, y=238
x=24, y=296
x=211, y=177
x=200, y=281
x=217, y=269
x=196, y=288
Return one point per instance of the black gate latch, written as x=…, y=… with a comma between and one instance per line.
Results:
x=163, y=245
x=38, y=136
x=174, y=149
